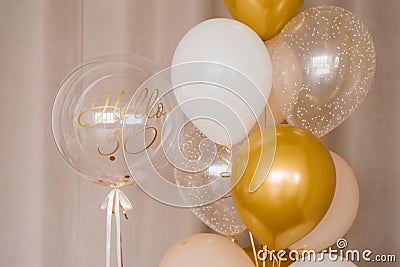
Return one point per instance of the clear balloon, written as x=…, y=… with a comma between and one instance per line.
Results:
x=220, y=215
x=340, y=215
x=89, y=110
x=324, y=64
x=209, y=250
x=232, y=111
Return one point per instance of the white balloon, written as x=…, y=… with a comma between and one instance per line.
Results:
x=323, y=260
x=231, y=93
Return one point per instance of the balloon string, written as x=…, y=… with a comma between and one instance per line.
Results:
x=254, y=248
x=265, y=117
x=118, y=226
x=115, y=200
x=265, y=250
x=276, y=260
x=122, y=262
x=110, y=199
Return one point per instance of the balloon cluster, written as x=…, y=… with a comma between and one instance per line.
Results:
x=206, y=132
x=289, y=190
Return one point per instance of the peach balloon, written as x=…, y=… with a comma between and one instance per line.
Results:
x=341, y=214
x=287, y=76
x=209, y=250
x=275, y=109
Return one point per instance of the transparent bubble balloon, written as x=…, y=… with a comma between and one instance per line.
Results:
x=323, y=63
x=88, y=112
x=220, y=215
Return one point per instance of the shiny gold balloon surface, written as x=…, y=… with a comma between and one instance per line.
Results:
x=265, y=17
x=296, y=192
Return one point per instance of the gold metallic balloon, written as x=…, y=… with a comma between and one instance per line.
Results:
x=294, y=194
x=265, y=17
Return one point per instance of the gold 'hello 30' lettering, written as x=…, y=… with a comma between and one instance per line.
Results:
x=144, y=105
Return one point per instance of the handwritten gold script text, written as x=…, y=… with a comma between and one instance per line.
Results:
x=143, y=106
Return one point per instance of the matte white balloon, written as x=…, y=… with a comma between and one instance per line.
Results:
x=203, y=250
x=247, y=78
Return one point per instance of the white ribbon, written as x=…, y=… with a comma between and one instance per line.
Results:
x=114, y=200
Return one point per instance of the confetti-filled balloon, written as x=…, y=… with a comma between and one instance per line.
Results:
x=221, y=215
x=323, y=64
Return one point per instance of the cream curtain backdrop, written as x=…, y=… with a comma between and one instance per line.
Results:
x=52, y=217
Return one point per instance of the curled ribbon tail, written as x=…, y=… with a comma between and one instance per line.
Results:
x=114, y=200
x=125, y=204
